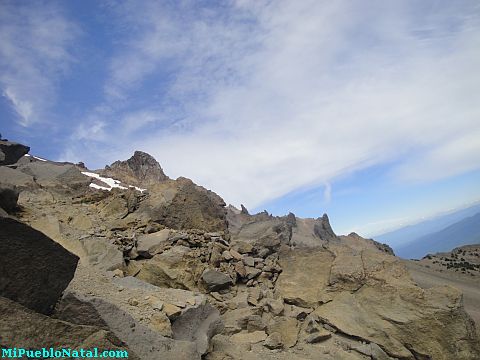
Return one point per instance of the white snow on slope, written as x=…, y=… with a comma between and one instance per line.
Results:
x=112, y=183
x=35, y=157
x=95, y=186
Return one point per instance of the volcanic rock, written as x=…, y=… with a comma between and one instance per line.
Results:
x=273, y=341
x=140, y=170
x=56, y=175
x=102, y=254
x=8, y=198
x=34, y=270
x=288, y=329
x=180, y=204
x=147, y=244
x=11, y=152
x=14, y=177
x=198, y=324
x=216, y=280
x=323, y=229
x=23, y=328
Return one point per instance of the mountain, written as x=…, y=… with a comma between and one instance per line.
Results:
x=403, y=236
x=129, y=259
x=464, y=232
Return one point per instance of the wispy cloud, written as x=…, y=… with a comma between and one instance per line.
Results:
x=256, y=99
x=35, y=43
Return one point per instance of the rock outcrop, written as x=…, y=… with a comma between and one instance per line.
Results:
x=140, y=170
x=11, y=152
x=355, y=241
x=34, y=270
x=171, y=273
x=8, y=198
x=23, y=328
x=180, y=204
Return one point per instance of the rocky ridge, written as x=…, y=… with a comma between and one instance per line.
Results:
x=173, y=273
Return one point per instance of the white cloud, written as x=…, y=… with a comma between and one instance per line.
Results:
x=276, y=96
x=456, y=156
x=327, y=192
x=34, y=43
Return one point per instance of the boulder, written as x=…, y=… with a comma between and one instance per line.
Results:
x=405, y=322
x=237, y=320
x=296, y=284
x=11, y=152
x=161, y=323
x=102, y=254
x=249, y=338
x=54, y=229
x=388, y=309
x=273, y=341
x=167, y=269
x=146, y=341
x=198, y=324
x=34, y=270
x=274, y=306
x=21, y=327
x=49, y=174
x=215, y=280
x=318, y=336
x=172, y=311
x=180, y=204
x=288, y=329
x=8, y=198
x=148, y=243
x=16, y=178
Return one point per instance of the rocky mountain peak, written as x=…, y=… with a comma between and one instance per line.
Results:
x=323, y=229
x=141, y=169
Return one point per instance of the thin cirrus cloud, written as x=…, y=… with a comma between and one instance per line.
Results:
x=257, y=99
x=35, y=52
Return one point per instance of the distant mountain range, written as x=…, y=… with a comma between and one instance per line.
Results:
x=438, y=234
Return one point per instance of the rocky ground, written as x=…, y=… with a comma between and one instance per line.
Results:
x=168, y=271
x=459, y=268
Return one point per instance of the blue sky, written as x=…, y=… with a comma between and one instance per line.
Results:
x=367, y=110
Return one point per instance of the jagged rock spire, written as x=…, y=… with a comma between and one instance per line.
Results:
x=141, y=169
x=323, y=229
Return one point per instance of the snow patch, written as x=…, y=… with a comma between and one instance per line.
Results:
x=95, y=186
x=112, y=183
x=35, y=157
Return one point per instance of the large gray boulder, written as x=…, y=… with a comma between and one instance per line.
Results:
x=8, y=198
x=141, y=315
x=34, y=270
x=147, y=244
x=181, y=204
x=102, y=254
x=198, y=324
x=215, y=280
x=50, y=174
x=17, y=178
x=10, y=152
x=23, y=328
x=142, y=340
